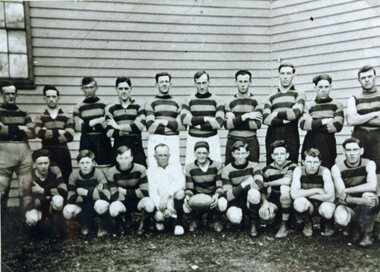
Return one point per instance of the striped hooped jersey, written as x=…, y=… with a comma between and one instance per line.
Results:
x=366, y=103
x=11, y=117
x=312, y=181
x=272, y=172
x=88, y=110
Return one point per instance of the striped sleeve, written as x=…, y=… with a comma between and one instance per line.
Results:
x=296, y=111
x=78, y=121
x=143, y=189
x=72, y=194
x=220, y=112
x=113, y=188
x=269, y=117
x=189, y=190
x=338, y=119
x=227, y=184
x=69, y=130
x=219, y=183
x=61, y=187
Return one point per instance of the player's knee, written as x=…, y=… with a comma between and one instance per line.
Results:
x=101, y=206
x=179, y=195
x=285, y=191
x=32, y=217
x=301, y=204
x=326, y=210
x=342, y=215
x=222, y=204
x=116, y=208
x=253, y=196
x=57, y=202
x=235, y=215
x=159, y=216
x=146, y=204
x=71, y=210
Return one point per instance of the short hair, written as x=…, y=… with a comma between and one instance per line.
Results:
x=160, y=145
x=85, y=154
x=7, y=84
x=40, y=153
x=318, y=78
x=158, y=75
x=201, y=73
x=239, y=144
x=242, y=73
x=123, y=148
x=123, y=79
x=313, y=152
x=49, y=87
x=366, y=68
x=278, y=143
x=352, y=140
x=87, y=80
x=202, y=144
x=286, y=65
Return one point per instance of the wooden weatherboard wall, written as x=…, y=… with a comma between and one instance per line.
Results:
x=140, y=38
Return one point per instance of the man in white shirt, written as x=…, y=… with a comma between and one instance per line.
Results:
x=166, y=188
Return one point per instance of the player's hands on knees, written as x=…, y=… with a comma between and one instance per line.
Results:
x=247, y=182
x=82, y=191
x=370, y=200
x=214, y=201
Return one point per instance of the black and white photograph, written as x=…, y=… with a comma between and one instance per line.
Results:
x=190, y=135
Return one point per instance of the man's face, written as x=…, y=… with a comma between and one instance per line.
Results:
x=9, y=95
x=124, y=91
x=162, y=156
x=51, y=98
x=353, y=152
x=124, y=160
x=280, y=155
x=312, y=164
x=42, y=165
x=201, y=155
x=240, y=155
x=243, y=82
x=323, y=89
x=86, y=165
x=286, y=76
x=202, y=83
x=367, y=80
x=89, y=90
x=164, y=84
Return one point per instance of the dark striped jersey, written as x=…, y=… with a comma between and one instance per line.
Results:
x=95, y=182
x=130, y=118
x=11, y=117
x=134, y=180
x=233, y=175
x=166, y=108
x=208, y=182
x=45, y=123
x=272, y=173
x=283, y=106
x=89, y=109
x=320, y=109
x=198, y=106
x=53, y=184
x=353, y=176
x=366, y=103
x=235, y=109
x=312, y=181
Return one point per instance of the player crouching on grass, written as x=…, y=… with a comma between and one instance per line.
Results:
x=129, y=191
x=204, y=193
x=355, y=182
x=166, y=188
x=244, y=189
x=49, y=193
x=88, y=197
x=277, y=178
x=312, y=190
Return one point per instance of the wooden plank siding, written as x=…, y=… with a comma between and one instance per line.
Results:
x=138, y=38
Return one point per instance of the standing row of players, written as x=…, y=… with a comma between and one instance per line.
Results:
x=203, y=113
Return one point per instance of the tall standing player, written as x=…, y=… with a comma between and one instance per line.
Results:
x=163, y=120
x=203, y=112
x=281, y=113
x=56, y=129
x=322, y=119
x=243, y=118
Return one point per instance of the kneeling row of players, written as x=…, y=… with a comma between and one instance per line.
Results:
x=346, y=195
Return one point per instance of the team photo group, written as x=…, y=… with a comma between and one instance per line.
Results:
x=116, y=179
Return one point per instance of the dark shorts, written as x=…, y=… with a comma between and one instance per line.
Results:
x=135, y=144
x=253, y=148
x=60, y=155
x=100, y=144
x=370, y=141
